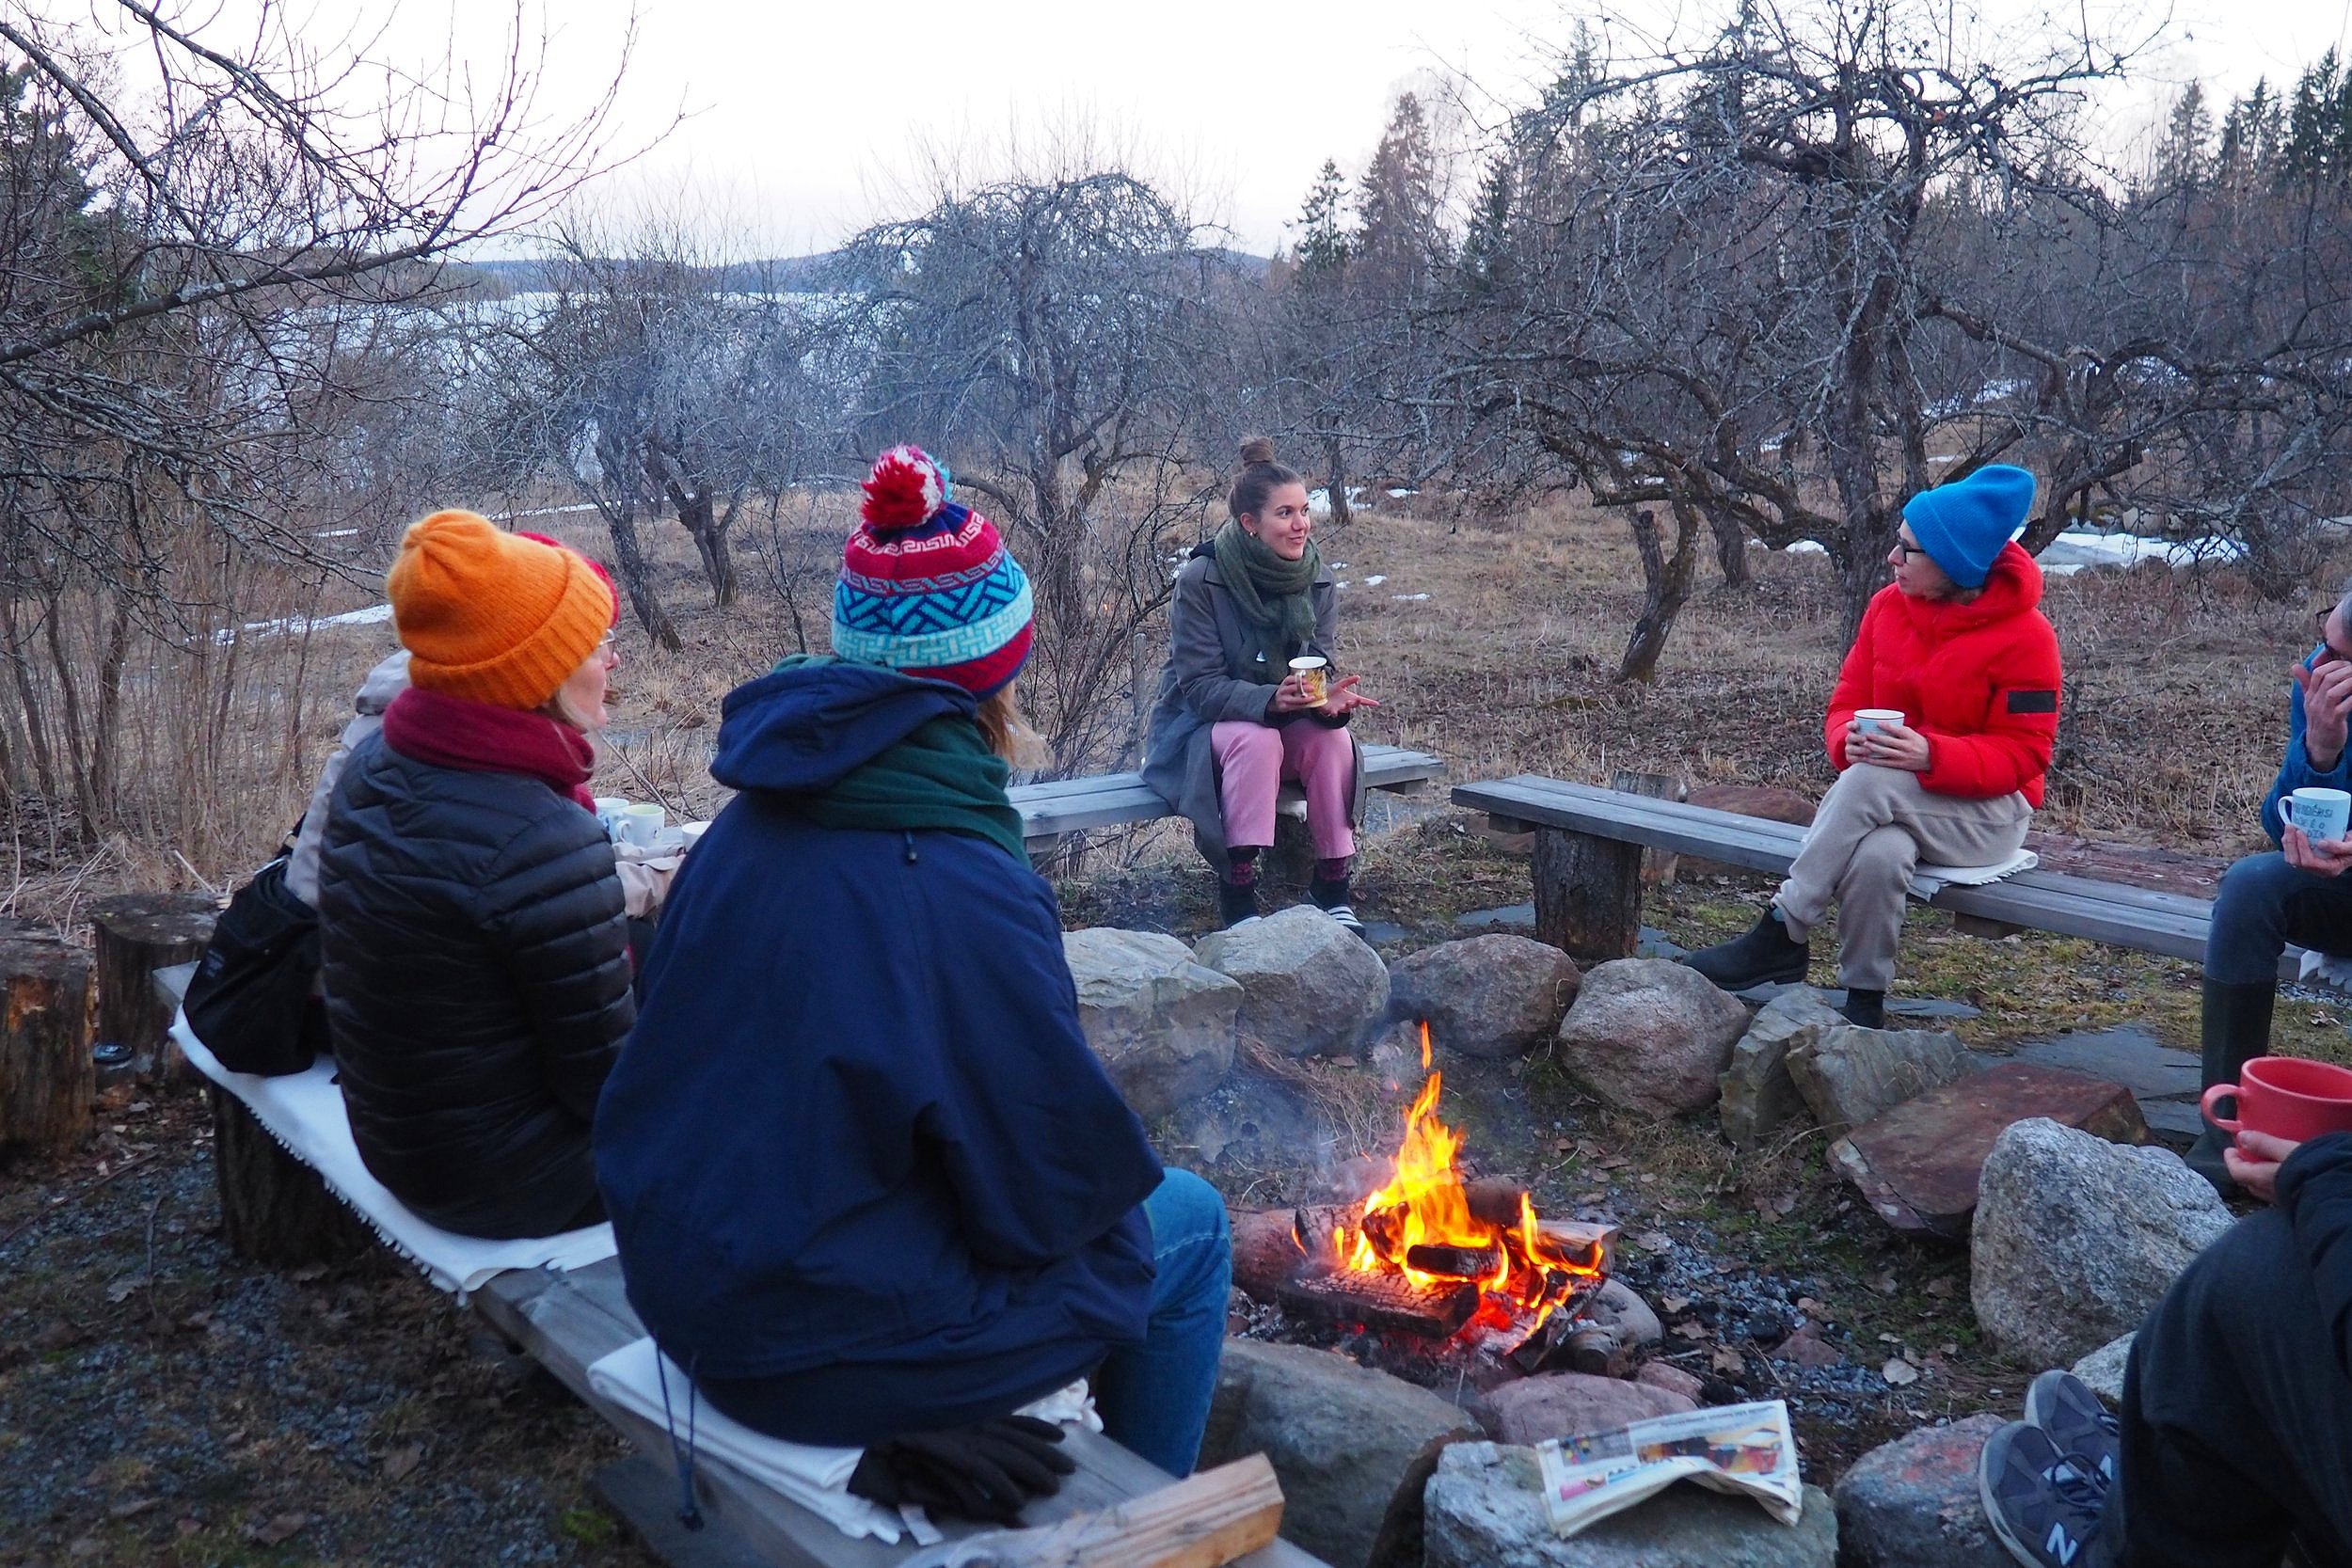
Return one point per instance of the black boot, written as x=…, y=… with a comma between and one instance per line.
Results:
x=1236, y=901
x=1865, y=1009
x=1765, y=956
x=2237, y=1029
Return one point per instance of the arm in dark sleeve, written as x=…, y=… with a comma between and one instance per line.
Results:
x=2315, y=1195
x=1196, y=656
x=1326, y=643
x=2296, y=770
x=554, y=912
x=1041, y=1152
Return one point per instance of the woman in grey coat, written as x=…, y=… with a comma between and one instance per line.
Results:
x=1233, y=720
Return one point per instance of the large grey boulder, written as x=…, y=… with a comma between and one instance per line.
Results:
x=1650, y=1036
x=1485, y=1510
x=1353, y=1447
x=1492, y=996
x=1162, y=1024
x=1759, y=1097
x=1912, y=1503
x=1560, y=1404
x=1850, y=1075
x=1310, y=986
x=2076, y=1238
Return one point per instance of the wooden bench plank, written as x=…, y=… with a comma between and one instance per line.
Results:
x=1060, y=806
x=2167, y=924
x=568, y=1322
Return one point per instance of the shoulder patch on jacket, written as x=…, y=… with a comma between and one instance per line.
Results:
x=2033, y=702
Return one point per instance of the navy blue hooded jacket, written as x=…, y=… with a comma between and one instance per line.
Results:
x=857, y=1145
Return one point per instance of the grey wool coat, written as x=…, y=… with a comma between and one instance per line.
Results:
x=1199, y=688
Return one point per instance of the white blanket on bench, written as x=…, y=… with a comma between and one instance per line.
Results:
x=304, y=1112
x=1929, y=880
x=815, y=1477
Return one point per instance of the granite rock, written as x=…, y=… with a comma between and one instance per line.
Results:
x=1650, y=1036
x=1759, y=1097
x=1162, y=1024
x=1558, y=1404
x=1310, y=986
x=1912, y=1503
x=1849, y=1075
x=1491, y=997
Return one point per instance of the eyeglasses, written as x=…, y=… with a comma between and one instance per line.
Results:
x=1905, y=549
x=2329, y=652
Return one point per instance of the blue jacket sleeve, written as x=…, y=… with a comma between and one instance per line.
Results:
x=1041, y=1152
x=2315, y=1195
x=2296, y=770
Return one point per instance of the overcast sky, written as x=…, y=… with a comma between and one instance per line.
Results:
x=804, y=120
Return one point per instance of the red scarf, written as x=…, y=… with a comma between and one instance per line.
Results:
x=442, y=731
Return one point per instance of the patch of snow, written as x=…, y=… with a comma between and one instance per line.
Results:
x=1376, y=579
x=547, y=512
x=1808, y=547
x=1400, y=492
x=1408, y=598
x=369, y=616
x=334, y=533
x=2074, y=549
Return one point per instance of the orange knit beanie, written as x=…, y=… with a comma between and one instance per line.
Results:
x=492, y=616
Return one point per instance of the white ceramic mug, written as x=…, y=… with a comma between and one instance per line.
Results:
x=609, y=810
x=1314, y=678
x=2322, y=814
x=642, y=824
x=1869, y=719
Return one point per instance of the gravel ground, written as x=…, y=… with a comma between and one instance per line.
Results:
x=164, y=1403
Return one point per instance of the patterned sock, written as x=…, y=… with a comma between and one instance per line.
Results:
x=1334, y=871
x=1241, y=868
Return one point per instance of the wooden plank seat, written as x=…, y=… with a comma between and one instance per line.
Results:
x=568, y=1321
x=1588, y=843
x=1049, y=811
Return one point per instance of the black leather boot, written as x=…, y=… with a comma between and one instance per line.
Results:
x=2237, y=1029
x=1866, y=1009
x=1235, y=902
x=1765, y=956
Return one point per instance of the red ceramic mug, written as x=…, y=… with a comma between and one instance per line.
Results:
x=2285, y=1096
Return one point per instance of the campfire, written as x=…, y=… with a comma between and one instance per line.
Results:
x=1433, y=1254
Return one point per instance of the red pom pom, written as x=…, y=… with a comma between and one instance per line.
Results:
x=903, y=490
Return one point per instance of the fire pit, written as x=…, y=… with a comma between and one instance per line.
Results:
x=1437, y=1258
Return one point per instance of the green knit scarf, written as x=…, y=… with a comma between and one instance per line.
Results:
x=1277, y=610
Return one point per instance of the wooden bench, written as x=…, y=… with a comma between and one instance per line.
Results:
x=1050, y=811
x=1117, y=1510
x=1588, y=888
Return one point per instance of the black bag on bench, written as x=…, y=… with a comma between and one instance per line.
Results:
x=253, y=1000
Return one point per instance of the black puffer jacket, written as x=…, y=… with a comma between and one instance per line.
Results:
x=477, y=975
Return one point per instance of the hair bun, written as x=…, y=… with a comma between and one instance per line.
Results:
x=1258, y=449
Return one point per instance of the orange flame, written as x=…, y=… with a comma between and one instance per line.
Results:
x=1425, y=1203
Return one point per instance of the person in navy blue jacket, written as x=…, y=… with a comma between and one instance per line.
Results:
x=2235, y=1427
x=2297, y=894
x=870, y=1185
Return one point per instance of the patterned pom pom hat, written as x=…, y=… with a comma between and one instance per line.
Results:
x=927, y=587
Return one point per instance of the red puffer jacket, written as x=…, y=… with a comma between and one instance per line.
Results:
x=1979, y=680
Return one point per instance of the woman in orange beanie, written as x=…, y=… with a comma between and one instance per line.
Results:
x=471, y=925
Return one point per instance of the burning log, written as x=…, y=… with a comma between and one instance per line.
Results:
x=1316, y=1230
x=1383, y=1301
x=1589, y=1246
x=1267, y=1252
x=1458, y=1262
x=1494, y=1200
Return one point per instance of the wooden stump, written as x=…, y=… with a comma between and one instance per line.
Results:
x=1658, y=866
x=1588, y=895
x=46, y=1077
x=274, y=1208
x=136, y=934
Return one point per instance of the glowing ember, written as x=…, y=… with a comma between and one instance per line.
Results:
x=1425, y=1225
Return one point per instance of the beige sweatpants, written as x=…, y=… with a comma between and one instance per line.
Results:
x=1873, y=825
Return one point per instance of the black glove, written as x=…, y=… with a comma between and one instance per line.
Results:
x=987, y=1471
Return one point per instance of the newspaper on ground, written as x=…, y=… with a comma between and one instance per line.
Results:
x=1745, y=1449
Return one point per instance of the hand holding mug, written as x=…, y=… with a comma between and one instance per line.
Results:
x=2253, y=1160
x=1886, y=745
x=2330, y=857
x=1291, y=696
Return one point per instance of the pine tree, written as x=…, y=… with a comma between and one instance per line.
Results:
x=1321, y=253
x=2182, y=159
x=1485, y=248
x=1396, y=203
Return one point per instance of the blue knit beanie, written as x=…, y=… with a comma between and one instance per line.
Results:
x=1963, y=525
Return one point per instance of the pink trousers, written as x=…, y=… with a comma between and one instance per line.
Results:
x=1252, y=760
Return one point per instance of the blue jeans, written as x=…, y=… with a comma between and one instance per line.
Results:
x=2264, y=905
x=1154, y=1396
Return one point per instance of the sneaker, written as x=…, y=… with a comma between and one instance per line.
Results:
x=1344, y=915
x=1765, y=956
x=2042, y=1505
x=2077, y=1419
x=1235, y=902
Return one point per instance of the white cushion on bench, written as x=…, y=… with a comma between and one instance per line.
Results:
x=815, y=1477
x=1929, y=880
x=304, y=1112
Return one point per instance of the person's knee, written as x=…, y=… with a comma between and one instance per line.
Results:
x=1243, y=741
x=2255, y=889
x=2234, y=1290
x=1185, y=1206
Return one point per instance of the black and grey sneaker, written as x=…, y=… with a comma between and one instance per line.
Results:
x=2077, y=1419
x=1765, y=956
x=1331, y=898
x=2042, y=1505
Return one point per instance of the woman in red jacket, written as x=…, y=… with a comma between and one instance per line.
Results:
x=1957, y=646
